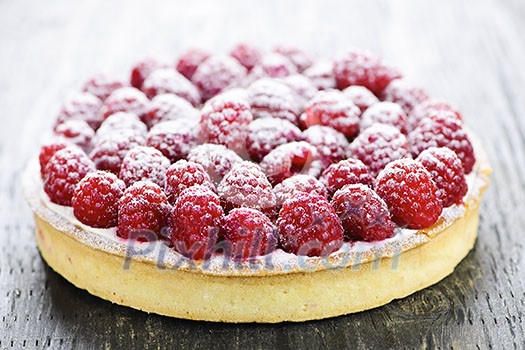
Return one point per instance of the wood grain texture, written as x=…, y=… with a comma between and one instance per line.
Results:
x=470, y=53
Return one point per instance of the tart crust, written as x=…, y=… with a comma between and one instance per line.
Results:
x=264, y=296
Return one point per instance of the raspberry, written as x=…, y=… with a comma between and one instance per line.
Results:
x=95, y=199
x=297, y=56
x=77, y=132
x=196, y=220
x=331, y=145
x=142, y=69
x=272, y=98
x=48, y=149
x=410, y=193
x=169, y=107
x=225, y=120
x=363, y=68
x=347, y=172
x=298, y=183
x=217, y=160
x=361, y=97
x=443, y=130
x=118, y=122
x=102, y=85
x=216, y=74
x=388, y=113
x=190, y=61
x=274, y=65
x=63, y=172
x=447, y=172
x=110, y=151
x=182, y=175
x=169, y=81
x=322, y=75
x=144, y=163
x=126, y=99
x=405, y=94
x=246, y=54
x=245, y=185
x=301, y=85
x=431, y=107
x=143, y=212
x=174, y=138
x=308, y=225
x=363, y=213
x=81, y=106
x=290, y=159
x=378, y=145
x=333, y=109
x=249, y=233
x=264, y=135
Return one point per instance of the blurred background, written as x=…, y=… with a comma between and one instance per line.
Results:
x=470, y=53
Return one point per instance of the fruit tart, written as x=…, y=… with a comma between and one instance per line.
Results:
x=256, y=186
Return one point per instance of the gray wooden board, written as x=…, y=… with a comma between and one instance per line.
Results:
x=471, y=53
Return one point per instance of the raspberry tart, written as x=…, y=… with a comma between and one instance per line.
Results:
x=256, y=186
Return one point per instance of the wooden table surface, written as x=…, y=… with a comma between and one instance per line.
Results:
x=471, y=53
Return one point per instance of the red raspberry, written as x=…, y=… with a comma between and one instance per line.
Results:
x=290, y=159
x=308, y=225
x=118, y=122
x=142, y=69
x=143, y=212
x=196, y=221
x=274, y=65
x=225, y=120
x=410, y=193
x=431, y=107
x=182, y=175
x=363, y=68
x=190, y=61
x=272, y=98
x=144, y=163
x=388, y=113
x=82, y=106
x=102, y=85
x=169, y=81
x=217, y=160
x=246, y=54
x=48, y=149
x=77, y=132
x=347, y=172
x=405, y=94
x=333, y=109
x=361, y=97
x=297, y=56
x=379, y=145
x=246, y=186
x=443, y=130
x=447, y=172
x=126, y=99
x=174, y=138
x=169, y=107
x=265, y=134
x=95, y=199
x=249, y=233
x=301, y=85
x=322, y=75
x=331, y=145
x=216, y=74
x=298, y=183
x=63, y=172
x=363, y=213
x=108, y=154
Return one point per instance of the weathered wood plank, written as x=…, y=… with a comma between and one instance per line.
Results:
x=468, y=52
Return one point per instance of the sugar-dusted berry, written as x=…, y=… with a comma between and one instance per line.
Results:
x=190, y=60
x=142, y=69
x=346, y=172
x=297, y=56
x=431, y=107
x=182, y=175
x=217, y=160
x=388, y=113
x=331, y=145
x=169, y=81
x=247, y=55
x=174, y=138
x=169, y=107
x=361, y=97
x=110, y=150
x=120, y=121
x=322, y=75
x=405, y=94
x=298, y=183
x=126, y=99
x=274, y=65
x=216, y=74
x=265, y=134
x=81, y=106
x=144, y=163
x=102, y=85
x=77, y=132
x=48, y=149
